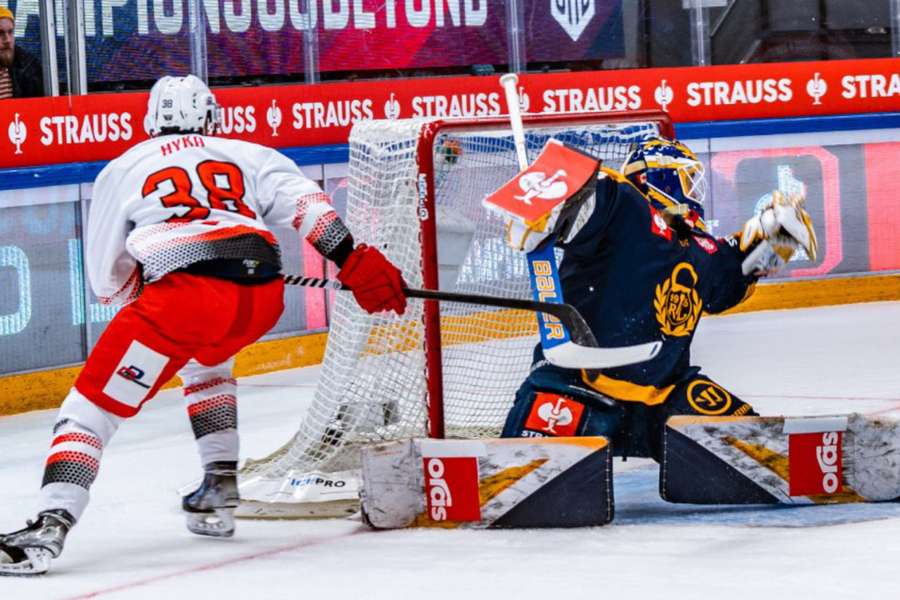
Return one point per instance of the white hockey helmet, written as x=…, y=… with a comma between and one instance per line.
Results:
x=181, y=105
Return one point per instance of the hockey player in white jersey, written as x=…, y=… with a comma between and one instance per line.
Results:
x=179, y=233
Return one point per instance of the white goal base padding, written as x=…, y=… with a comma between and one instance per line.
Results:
x=297, y=495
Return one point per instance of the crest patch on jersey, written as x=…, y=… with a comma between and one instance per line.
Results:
x=677, y=302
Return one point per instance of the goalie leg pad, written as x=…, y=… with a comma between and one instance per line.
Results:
x=784, y=460
x=512, y=483
x=549, y=403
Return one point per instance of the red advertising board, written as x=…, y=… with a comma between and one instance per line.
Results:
x=99, y=127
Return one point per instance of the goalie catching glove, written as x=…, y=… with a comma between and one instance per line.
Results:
x=778, y=231
x=376, y=284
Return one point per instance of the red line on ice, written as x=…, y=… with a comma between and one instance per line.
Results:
x=212, y=566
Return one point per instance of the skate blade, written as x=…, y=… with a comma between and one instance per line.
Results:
x=217, y=523
x=38, y=563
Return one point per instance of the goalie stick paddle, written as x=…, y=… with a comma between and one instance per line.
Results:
x=583, y=353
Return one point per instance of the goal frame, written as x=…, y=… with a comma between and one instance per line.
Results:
x=426, y=190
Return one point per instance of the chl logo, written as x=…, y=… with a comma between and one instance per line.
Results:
x=573, y=15
x=538, y=185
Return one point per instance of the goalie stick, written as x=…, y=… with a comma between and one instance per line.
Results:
x=584, y=353
x=572, y=349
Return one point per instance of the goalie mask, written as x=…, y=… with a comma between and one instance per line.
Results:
x=181, y=105
x=669, y=173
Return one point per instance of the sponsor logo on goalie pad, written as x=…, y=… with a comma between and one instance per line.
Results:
x=815, y=463
x=451, y=488
x=554, y=415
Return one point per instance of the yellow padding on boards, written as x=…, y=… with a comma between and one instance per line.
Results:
x=821, y=292
x=47, y=389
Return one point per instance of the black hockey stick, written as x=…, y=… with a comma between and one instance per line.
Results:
x=567, y=314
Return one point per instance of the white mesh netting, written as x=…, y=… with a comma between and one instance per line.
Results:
x=373, y=385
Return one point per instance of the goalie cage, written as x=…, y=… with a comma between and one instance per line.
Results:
x=451, y=370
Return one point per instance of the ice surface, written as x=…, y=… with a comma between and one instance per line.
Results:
x=132, y=542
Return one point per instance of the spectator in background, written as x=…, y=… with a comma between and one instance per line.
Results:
x=20, y=72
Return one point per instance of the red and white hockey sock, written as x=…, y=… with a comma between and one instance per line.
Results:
x=82, y=430
x=211, y=397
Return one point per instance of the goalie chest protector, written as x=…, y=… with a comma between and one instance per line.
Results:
x=502, y=483
x=780, y=460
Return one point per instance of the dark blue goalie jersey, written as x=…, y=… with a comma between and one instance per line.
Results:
x=635, y=278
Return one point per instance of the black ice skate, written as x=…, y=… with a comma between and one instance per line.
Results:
x=28, y=551
x=210, y=508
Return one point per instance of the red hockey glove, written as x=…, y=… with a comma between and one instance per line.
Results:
x=376, y=283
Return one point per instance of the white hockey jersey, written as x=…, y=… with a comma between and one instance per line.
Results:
x=176, y=200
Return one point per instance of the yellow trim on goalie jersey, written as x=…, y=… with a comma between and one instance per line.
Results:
x=627, y=391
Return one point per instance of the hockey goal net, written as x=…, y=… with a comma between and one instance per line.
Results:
x=414, y=191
